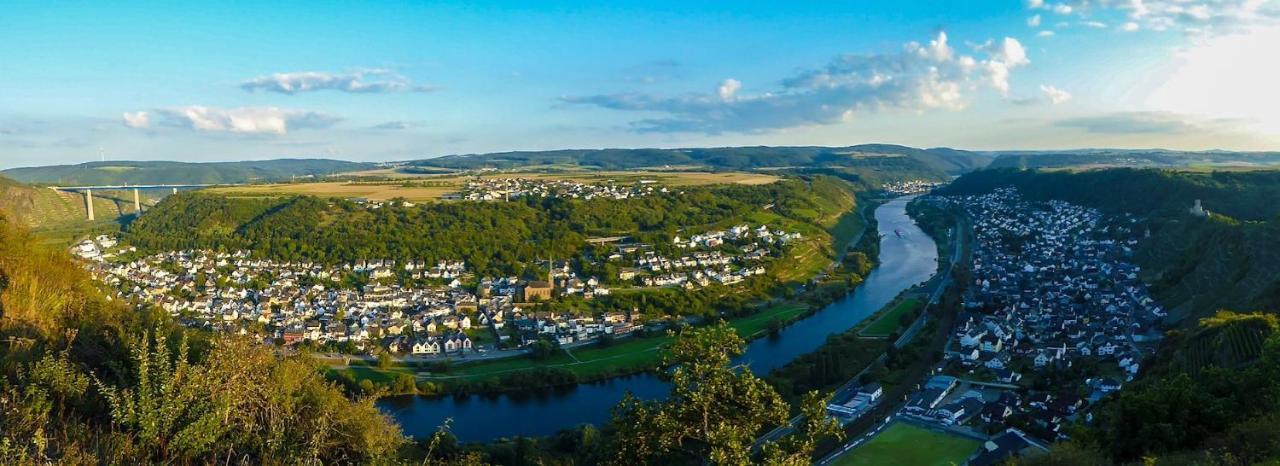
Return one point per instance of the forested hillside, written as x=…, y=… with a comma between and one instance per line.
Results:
x=1210, y=396
x=118, y=173
x=494, y=238
x=84, y=380
x=924, y=162
x=88, y=380
x=1131, y=158
x=1196, y=265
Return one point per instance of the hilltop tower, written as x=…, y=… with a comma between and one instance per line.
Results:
x=1198, y=210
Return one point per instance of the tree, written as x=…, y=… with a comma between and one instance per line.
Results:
x=605, y=340
x=541, y=349
x=714, y=410
x=404, y=384
x=168, y=404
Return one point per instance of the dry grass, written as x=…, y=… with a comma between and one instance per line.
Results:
x=377, y=192
x=445, y=184
x=662, y=177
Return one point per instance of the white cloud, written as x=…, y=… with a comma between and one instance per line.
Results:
x=1211, y=17
x=1054, y=94
x=136, y=119
x=1033, y=21
x=1005, y=55
x=364, y=81
x=728, y=88
x=919, y=77
x=1044, y=34
x=1034, y=4
x=245, y=120
x=1094, y=24
x=394, y=125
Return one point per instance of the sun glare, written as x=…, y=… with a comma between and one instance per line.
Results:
x=1228, y=77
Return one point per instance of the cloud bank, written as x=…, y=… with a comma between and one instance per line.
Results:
x=360, y=82
x=1167, y=123
x=919, y=77
x=244, y=120
x=1210, y=17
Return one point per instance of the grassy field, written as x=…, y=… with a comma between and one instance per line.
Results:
x=889, y=321
x=450, y=183
x=666, y=178
x=907, y=444
x=372, y=191
x=586, y=361
x=669, y=177
x=374, y=374
x=583, y=361
x=846, y=229
x=754, y=325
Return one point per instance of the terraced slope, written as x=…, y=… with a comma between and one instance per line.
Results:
x=1225, y=341
x=43, y=208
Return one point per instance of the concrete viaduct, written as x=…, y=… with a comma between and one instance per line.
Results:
x=137, y=189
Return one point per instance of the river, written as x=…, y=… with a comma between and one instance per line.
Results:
x=905, y=260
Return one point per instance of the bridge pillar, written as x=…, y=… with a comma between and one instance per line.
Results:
x=88, y=202
x=137, y=201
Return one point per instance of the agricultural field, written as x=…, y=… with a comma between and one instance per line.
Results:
x=890, y=321
x=428, y=187
x=673, y=176
x=905, y=444
x=371, y=191
x=755, y=325
x=60, y=218
x=1228, y=345
x=665, y=178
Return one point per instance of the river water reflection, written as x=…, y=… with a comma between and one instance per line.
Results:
x=907, y=257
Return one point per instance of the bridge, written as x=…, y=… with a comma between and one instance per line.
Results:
x=137, y=189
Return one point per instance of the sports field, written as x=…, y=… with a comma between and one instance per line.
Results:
x=909, y=445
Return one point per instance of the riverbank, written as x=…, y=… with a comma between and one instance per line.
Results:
x=913, y=359
x=821, y=280
x=904, y=262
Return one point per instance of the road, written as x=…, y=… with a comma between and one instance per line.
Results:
x=873, y=422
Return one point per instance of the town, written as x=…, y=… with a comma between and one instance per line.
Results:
x=899, y=188
x=1054, y=318
x=416, y=308
x=494, y=189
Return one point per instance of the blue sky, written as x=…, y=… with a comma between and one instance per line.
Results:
x=393, y=81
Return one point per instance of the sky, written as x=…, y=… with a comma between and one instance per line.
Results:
x=386, y=81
